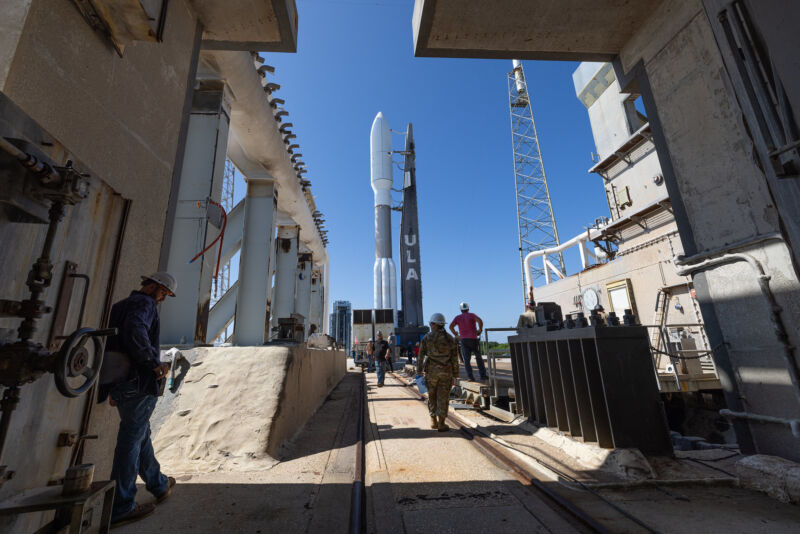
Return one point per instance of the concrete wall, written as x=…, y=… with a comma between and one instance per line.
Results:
x=726, y=199
x=237, y=406
x=121, y=118
x=310, y=375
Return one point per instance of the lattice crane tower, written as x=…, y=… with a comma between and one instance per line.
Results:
x=537, y=225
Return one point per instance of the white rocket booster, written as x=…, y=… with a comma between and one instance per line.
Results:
x=384, y=272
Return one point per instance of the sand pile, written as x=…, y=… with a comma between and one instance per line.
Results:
x=223, y=413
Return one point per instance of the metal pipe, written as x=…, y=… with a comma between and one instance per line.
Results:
x=684, y=269
x=582, y=237
x=41, y=274
x=713, y=252
x=31, y=162
x=793, y=424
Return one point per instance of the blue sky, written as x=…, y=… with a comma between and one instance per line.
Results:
x=355, y=58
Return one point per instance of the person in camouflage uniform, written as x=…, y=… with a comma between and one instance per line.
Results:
x=438, y=361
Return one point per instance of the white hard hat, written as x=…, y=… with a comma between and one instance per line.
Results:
x=437, y=318
x=370, y=339
x=464, y=306
x=164, y=279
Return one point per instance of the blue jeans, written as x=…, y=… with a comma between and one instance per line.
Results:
x=468, y=346
x=134, y=452
x=381, y=368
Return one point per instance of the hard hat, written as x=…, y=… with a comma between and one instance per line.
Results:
x=464, y=306
x=370, y=339
x=165, y=280
x=437, y=318
x=380, y=333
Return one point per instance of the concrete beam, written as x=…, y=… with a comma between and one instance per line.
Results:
x=266, y=25
x=572, y=30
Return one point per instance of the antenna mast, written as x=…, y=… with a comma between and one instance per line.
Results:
x=535, y=220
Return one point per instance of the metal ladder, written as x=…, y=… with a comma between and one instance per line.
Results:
x=662, y=298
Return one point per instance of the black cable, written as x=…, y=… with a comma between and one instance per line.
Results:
x=710, y=466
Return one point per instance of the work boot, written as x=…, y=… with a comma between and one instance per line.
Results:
x=442, y=426
x=170, y=484
x=139, y=512
x=434, y=422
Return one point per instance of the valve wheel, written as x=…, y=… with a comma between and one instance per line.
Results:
x=72, y=361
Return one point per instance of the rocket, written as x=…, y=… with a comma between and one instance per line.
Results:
x=384, y=272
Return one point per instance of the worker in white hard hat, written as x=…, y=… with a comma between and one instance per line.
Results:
x=469, y=330
x=438, y=362
x=133, y=376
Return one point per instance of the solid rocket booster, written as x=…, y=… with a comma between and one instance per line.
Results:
x=384, y=273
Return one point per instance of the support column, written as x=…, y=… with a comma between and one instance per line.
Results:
x=302, y=296
x=317, y=295
x=184, y=319
x=261, y=203
x=285, y=273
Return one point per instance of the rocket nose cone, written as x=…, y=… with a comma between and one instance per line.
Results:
x=379, y=122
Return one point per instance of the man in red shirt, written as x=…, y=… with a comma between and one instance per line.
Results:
x=469, y=330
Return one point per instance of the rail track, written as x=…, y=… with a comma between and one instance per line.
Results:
x=501, y=453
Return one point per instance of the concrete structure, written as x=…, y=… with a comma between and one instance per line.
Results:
x=726, y=144
x=341, y=328
x=641, y=237
x=149, y=108
x=264, y=396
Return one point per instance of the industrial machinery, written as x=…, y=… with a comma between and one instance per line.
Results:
x=591, y=378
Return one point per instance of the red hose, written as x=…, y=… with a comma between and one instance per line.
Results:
x=218, y=238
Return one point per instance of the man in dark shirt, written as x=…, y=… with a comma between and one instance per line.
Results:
x=381, y=358
x=135, y=395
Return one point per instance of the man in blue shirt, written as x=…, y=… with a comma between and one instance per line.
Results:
x=135, y=395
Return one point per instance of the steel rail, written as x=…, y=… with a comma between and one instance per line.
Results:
x=358, y=495
x=485, y=444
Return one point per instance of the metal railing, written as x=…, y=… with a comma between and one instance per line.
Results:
x=677, y=357
x=491, y=357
